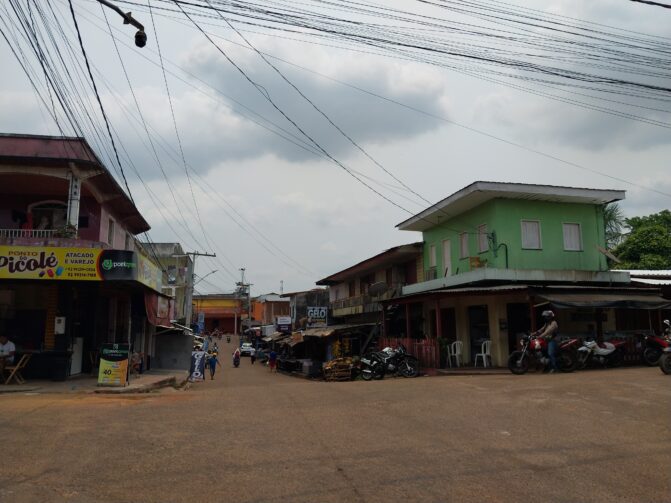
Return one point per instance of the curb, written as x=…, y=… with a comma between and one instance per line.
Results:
x=6, y=389
x=145, y=388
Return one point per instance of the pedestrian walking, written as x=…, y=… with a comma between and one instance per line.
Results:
x=272, y=361
x=252, y=355
x=212, y=363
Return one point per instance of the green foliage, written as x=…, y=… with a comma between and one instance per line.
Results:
x=662, y=218
x=613, y=222
x=648, y=245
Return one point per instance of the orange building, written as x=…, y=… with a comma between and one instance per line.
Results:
x=222, y=311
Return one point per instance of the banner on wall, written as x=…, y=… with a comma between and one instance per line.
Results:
x=77, y=264
x=113, y=365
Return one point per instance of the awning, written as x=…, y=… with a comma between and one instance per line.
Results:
x=336, y=329
x=605, y=300
x=159, y=309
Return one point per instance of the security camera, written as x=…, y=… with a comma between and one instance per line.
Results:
x=140, y=38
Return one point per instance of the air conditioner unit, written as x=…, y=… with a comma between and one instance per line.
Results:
x=431, y=273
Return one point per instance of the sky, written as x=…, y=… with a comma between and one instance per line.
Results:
x=290, y=217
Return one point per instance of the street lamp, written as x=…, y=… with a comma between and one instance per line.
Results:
x=203, y=277
x=140, y=36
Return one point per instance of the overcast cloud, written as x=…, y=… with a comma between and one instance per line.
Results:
x=298, y=204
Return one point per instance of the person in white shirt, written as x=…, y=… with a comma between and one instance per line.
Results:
x=7, y=351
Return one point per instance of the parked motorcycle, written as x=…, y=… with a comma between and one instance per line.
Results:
x=654, y=347
x=534, y=353
x=665, y=361
x=609, y=354
x=397, y=361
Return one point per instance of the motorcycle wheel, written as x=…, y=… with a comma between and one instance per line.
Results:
x=410, y=368
x=366, y=373
x=616, y=359
x=567, y=361
x=665, y=363
x=651, y=356
x=518, y=363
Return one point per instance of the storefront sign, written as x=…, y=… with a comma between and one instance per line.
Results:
x=317, y=316
x=197, y=370
x=77, y=264
x=284, y=324
x=113, y=365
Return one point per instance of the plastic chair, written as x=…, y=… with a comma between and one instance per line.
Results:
x=455, y=351
x=484, y=354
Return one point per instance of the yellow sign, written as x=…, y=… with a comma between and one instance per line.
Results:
x=34, y=262
x=113, y=365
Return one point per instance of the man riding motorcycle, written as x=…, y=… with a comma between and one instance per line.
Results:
x=548, y=332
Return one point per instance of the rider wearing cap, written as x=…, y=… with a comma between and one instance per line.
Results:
x=549, y=331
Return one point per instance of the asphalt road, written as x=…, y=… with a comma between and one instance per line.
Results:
x=250, y=436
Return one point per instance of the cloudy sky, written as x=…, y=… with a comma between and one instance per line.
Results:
x=270, y=203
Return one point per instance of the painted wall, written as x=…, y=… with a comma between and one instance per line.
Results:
x=504, y=216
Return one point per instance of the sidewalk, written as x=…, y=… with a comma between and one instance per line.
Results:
x=472, y=371
x=145, y=383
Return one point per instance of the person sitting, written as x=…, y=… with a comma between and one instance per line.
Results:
x=7, y=352
x=136, y=363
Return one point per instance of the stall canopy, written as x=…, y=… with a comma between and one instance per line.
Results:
x=605, y=300
x=335, y=329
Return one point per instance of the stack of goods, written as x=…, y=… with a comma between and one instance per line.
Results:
x=339, y=369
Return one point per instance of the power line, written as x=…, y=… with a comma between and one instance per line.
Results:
x=100, y=103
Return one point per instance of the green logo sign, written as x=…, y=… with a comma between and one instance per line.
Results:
x=107, y=264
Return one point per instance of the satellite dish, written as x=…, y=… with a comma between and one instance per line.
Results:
x=377, y=288
x=608, y=254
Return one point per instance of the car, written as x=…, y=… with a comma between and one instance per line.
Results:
x=246, y=349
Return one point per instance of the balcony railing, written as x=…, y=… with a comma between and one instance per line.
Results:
x=28, y=233
x=370, y=302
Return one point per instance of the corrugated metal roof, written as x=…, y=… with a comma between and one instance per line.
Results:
x=652, y=281
x=648, y=273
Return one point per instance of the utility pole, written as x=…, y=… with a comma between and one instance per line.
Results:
x=245, y=289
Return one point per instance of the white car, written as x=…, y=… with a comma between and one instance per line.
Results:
x=246, y=349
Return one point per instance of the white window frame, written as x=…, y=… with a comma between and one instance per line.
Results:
x=540, y=234
x=463, y=240
x=580, y=244
x=432, y=255
x=483, y=243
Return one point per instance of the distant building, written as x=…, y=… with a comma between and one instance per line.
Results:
x=266, y=308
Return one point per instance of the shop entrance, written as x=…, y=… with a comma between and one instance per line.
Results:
x=478, y=328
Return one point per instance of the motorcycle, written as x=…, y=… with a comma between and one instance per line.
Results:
x=228, y=338
x=534, y=354
x=609, y=354
x=389, y=361
x=236, y=361
x=665, y=361
x=654, y=347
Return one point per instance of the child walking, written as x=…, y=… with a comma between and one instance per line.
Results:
x=212, y=362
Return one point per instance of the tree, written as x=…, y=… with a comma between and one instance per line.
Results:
x=648, y=245
x=613, y=219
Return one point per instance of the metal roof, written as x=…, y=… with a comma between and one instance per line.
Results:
x=480, y=192
x=647, y=273
x=387, y=257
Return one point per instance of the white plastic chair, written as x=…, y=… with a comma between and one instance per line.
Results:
x=484, y=354
x=454, y=351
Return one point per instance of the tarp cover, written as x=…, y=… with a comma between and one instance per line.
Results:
x=605, y=300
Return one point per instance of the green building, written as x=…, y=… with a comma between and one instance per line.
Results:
x=495, y=255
